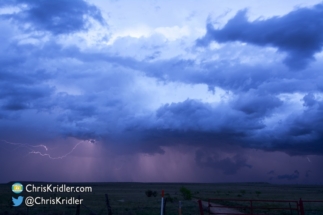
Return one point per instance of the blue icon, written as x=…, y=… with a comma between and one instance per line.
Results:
x=17, y=188
x=17, y=201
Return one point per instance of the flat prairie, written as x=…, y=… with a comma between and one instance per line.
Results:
x=131, y=199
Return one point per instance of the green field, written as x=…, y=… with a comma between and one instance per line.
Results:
x=130, y=198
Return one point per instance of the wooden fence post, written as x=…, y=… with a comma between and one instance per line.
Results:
x=108, y=204
x=301, y=207
x=201, y=207
x=78, y=207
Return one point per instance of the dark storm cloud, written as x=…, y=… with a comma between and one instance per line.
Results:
x=289, y=177
x=271, y=172
x=241, y=116
x=298, y=33
x=308, y=173
x=22, y=86
x=232, y=75
x=106, y=109
x=309, y=100
x=100, y=111
x=257, y=105
x=196, y=123
x=50, y=91
x=22, y=77
x=29, y=74
x=199, y=116
x=227, y=165
x=19, y=97
x=57, y=17
x=301, y=134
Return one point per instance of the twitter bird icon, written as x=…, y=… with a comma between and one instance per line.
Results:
x=17, y=201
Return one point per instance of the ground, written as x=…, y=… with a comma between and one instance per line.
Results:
x=130, y=198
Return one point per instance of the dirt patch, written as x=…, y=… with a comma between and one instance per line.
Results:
x=220, y=210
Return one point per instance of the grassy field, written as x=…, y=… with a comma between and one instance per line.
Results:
x=130, y=198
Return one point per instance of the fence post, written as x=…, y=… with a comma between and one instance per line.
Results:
x=301, y=206
x=78, y=207
x=201, y=207
x=180, y=208
x=209, y=207
x=162, y=203
x=251, y=208
x=108, y=204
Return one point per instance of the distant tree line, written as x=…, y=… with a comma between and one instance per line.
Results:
x=150, y=193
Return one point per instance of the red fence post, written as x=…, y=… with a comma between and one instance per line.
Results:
x=301, y=206
x=201, y=207
x=251, y=208
x=162, y=203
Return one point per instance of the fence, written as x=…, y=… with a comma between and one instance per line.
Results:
x=78, y=207
x=253, y=207
x=162, y=212
x=312, y=211
x=248, y=206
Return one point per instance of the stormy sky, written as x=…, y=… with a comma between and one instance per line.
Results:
x=161, y=91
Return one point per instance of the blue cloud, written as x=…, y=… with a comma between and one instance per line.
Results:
x=107, y=109
x=57, y=17
x=298, y=33
x=227, y=165
x=289, y=177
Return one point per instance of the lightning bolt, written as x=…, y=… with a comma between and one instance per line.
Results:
x=46, y=148
x=308, y=159
x=25, y=145
x=55, y=158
